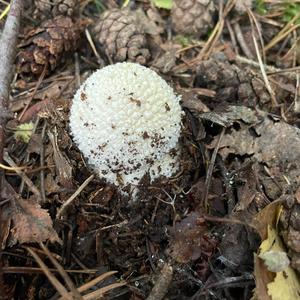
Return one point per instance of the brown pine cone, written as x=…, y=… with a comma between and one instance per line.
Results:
x=193, y=17
x=51, y=8
x=121, y=36
x=47, y=45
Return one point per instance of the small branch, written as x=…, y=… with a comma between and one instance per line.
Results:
x=70, y=200
x=161, y=286
x=8, y=45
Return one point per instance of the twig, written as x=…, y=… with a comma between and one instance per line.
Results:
x=42, y=163
x=232, y=36
x=40, y=80
x=296, y=97
x=79, y=190
x=241, y=40
x=27, y=155
x=228, y=221
x=94, y=282
x=264, y=75
x=211, y=168
x=8, y=45
x=28, y=270
x=260, y=61
x=282, y=34
x=26, y=179
x=74, y=292
x=54, y=281
x=77, y=71
x=98, y=294
x=161, y=286
x=92, y=45
x=288, y=72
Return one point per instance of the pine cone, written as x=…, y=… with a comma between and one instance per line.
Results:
x=121, y=36
x=51, y=8
x=47, y=45
x=193, y=17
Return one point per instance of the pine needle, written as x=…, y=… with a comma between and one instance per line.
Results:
x=5, y=12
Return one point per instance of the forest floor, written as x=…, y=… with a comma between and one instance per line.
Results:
x=226, y=226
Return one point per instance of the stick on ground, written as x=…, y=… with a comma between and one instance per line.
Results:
x=8, y=43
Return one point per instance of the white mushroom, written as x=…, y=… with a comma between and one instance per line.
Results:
x=126, y=120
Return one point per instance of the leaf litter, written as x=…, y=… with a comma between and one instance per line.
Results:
x=199, y=252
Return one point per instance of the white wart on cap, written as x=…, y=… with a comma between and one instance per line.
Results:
x=126, y=120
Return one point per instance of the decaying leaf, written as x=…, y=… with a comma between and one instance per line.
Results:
x=63, y=167
x=286, y=284
x=190, y=239
x=5, y=222
x=267, y=217
x=264, y=138
x=274, y=277
x=31, y=223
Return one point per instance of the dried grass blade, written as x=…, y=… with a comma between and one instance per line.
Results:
x=94, y=281
x=264, y=75
x=59, y=287
x=63, y=273
x=99, y=293
x=26, y=179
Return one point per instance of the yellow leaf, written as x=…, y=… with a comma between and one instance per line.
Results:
x=286, y=284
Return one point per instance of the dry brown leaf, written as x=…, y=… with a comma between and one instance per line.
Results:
x=190, y=239
x=63, y=167
x=5, y=222
x=267, y=216
x=260, y=135
x=31, y=223
x=262, y=278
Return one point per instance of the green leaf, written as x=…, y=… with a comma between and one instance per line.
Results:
x=166, y=4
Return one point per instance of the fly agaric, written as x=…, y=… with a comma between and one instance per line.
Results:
x=126, y=120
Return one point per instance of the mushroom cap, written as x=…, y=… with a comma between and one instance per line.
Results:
x=126, y=120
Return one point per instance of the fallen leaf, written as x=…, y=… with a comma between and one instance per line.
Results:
x=262, y=278
x=35, y=144
x=63, y=166
x=5, y=222
x=265, y=138
x=266, y=217
x=190, y=240
x=30, y=223
x=286, y=283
